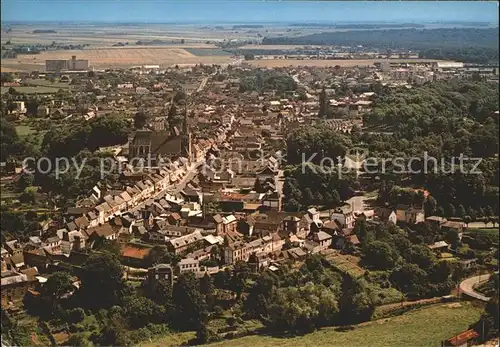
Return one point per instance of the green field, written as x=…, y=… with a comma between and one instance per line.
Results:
x=24, y=130
x=203, y=52
x=170, y=340
x=32, y=90
x=422, y=327
x=30, y=133
x=47, y=83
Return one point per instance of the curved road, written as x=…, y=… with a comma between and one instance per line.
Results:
x=467, y=286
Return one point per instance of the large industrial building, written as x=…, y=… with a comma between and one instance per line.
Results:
x=72, y=64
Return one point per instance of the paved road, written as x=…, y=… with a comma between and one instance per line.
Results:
x=476, y=225
x=173, y=189
x=203, y=84
x=192, y=172
x=467, y=286
x=300, y=84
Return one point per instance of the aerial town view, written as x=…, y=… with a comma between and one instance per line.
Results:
x=249, y=173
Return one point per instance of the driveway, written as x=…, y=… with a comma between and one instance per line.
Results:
x=467, y=286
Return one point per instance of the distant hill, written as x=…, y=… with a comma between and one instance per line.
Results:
x=464, y=44
x=359, y=26
x=248, y=26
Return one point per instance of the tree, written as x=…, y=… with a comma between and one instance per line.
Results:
x=140, y=120
x=114, y=333
x=467, y=219
x=480, y=212
x=420, y=255
x=355, y=304
x=58, y=284
x=25, y=180
x=336, y=198
x=249, y=56
x=157, y=254
x=190, y=305
x=102, y=281
x=488, y=211
x=430, y=206
x=450, y=211
x=472, y=213
x=259, y=296
x=380, y=255
x=328, y=200
x=409, y=279
x=205, y=334
x=454, y=238
x=29, y=195
x=440, y=211
x=141, y=311
x=258, y=187
x=308, y=197
x=291, y=205
x=239, y=277
x=318, y=198
x=207, y=289
x=361, y=231
x=78, y=340
x=216, y=252
x=323, y=104
x=461, y=211
x=161, y=293
x=301, y=308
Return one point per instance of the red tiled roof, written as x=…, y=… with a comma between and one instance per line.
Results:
x=462, y=338
x=135, y=252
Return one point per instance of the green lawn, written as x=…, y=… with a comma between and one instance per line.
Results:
x=24, y=130
x=495, y=230
x=32, y=90
x=169, y=340
x=423, y=327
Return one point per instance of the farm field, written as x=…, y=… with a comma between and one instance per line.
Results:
x=333, y=62
x=119, y=57
x=203, y=52
x=107, y=35
x=422, y=327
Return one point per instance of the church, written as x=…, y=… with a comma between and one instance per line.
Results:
x=168, y=145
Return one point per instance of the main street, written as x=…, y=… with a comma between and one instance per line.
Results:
x=192, y=172
x=174, y=188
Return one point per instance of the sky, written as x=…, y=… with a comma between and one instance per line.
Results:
x=231, y=11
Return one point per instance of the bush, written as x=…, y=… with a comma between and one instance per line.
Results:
x=76, y=315
x=218, y=311
x=231, y=321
